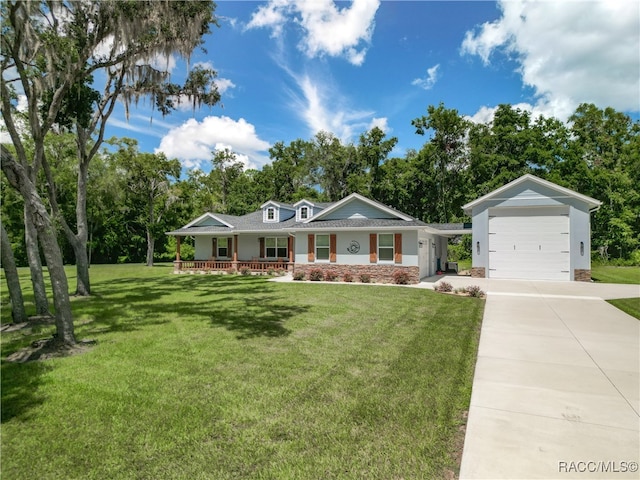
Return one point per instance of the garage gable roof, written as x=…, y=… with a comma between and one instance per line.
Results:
x=496, y=194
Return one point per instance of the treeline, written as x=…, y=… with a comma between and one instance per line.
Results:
x=133, y=197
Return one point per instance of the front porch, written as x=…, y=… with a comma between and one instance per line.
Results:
x=215, y=266
x=264, y=257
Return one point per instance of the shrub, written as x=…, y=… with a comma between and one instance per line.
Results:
x=444, y=287
x=347, y=277
x=231, y=271
x=245, y=271
x=316, y=275
x=365, y=278
x=474, y=291
x=401, y=277
x=280, y=272
x=330, y=275
x=298, y=276
x=271, y=271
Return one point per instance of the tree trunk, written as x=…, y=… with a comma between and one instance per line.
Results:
x=64, y=319
x=18, y=178
x=35, y=265
x=151, y=241
x=18, y=313
x=83, y=287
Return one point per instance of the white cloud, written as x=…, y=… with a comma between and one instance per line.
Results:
x=485, y=114
x=323, y=108
x=327, y=30
x=147, y=129
x=430, y=80
x=569, y=52
x=193, y=141
x=224, y=84
x=381, y=123
x=271, y=15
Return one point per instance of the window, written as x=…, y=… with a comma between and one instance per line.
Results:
x=223, y=247
x=322, y=247
x=276, y=247
x=271, y=213
x=304, y=213
x=385, y=247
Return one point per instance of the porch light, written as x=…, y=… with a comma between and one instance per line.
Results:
x=582, y=249
x=477, y=248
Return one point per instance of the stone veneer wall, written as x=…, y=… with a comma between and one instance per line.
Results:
x=378, y=273
x=580, y=275
x=478, y=272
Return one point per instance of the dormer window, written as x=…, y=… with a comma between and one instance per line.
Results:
x=304, y=213
x=271, y=214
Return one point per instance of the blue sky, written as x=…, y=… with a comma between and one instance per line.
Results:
x=290, y=68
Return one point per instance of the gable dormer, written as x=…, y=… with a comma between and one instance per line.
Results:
x=304, y=210
x=274, y=212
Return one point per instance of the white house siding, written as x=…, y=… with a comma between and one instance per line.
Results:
x=248, y=245
x=203, y=248
x=430, y=248
x=344, y=241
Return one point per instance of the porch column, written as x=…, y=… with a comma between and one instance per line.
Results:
x=178, y=249
x=235, y=248
x=290, y=247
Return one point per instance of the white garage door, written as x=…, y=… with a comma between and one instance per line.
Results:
x=532, y=246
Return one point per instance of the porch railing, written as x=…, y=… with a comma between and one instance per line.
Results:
x=222, y=266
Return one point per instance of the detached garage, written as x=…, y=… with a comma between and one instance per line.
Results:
x=532, y=229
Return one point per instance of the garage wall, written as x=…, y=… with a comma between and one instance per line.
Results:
x=580, y=227
x=531, y=195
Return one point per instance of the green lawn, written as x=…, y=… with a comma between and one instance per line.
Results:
x=611, y=274
x=216, y=377
x=628, y=305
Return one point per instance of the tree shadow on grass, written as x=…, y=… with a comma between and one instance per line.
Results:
x=260, y=317
x=20, y=388
x=243, y=304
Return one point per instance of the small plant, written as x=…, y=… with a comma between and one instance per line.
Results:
x=231, y=271
x=365, y=278
x=400, y=277
x=330, y=275
x=271, y=271
x=298, y=276
x=316, y=275
x=245, y=271
x=474, y=291
x=280, y=272
x=347, y=277
x=444, y=287
x=460, y=290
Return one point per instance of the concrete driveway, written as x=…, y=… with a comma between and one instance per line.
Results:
x=556, y=389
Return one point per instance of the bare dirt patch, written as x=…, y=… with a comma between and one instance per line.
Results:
x=47, y=348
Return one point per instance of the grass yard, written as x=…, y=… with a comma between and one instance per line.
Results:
x=221, y=377
x=611, y=274
x=628, y=305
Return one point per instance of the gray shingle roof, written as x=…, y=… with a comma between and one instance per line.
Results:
x=246, y=223
x=359, y=223
x=253, y=222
